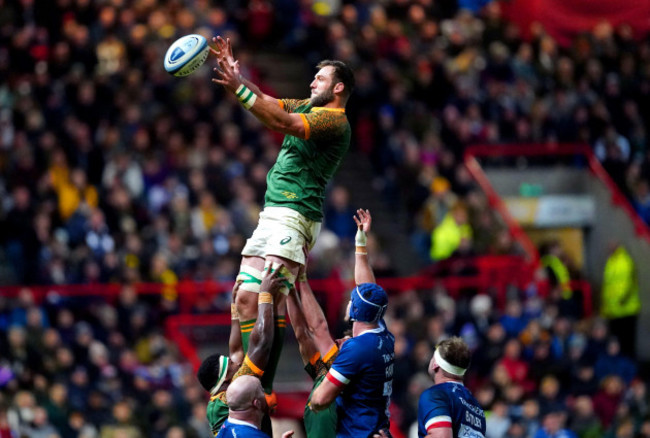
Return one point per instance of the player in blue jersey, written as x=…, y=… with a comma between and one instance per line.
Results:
x=246, y=408
x=361, y=377
x=448, y=409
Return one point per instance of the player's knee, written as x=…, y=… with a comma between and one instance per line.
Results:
x=249, y=278
x=246, y=304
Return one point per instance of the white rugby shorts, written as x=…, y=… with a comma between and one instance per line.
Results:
x=282, y=232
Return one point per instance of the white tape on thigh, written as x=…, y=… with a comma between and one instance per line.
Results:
x=289, y=278
x=250, y=278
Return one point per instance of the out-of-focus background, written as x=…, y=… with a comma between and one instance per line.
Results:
x=500, y=146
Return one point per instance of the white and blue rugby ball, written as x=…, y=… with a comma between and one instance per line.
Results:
x=186, y=54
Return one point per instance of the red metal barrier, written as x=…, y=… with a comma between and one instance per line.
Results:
x=559, y=149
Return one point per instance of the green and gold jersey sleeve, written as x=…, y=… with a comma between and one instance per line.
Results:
x=324, y=125
x=217, y=410
x=248, y=368
x=290, y=105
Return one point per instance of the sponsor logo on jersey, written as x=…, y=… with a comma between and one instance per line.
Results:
x=290, y=195
x=285, y=240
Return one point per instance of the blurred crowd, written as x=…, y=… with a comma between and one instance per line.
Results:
x=87, y=367
x=84, y=368
x=111, y=170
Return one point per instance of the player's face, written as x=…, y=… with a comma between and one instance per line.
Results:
x=322, y=87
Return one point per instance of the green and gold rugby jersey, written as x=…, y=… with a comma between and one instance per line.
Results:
x=320, y=424
x=298, y=178
x=217, y=411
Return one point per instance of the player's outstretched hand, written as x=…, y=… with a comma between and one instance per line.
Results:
x=287, y=434
x=383, y=433
x=223, y=50
x=272, y=281
x=226, y=74
x=363, y=220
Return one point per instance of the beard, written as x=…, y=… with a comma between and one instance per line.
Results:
x=323, y=99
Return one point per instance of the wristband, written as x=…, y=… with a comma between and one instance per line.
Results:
x=361, y=250
x=360, y=239
x=234, y=314
x=246, y=96
x=265, y=298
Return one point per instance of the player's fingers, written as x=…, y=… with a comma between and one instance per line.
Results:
x=213, y=51
x=229, y=46
x=356, y=221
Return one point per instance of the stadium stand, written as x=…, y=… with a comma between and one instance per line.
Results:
x=132, y=185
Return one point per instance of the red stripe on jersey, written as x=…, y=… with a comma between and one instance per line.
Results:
x=439, y=425
x=332, y=379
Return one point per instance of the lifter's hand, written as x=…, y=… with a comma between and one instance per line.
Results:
x=272, y=282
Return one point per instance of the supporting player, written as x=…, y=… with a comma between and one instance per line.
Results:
x=448, y=409
x=317, y=137
x=364, y=365
x=217, y=372
x=247, y=408
x=317, y=347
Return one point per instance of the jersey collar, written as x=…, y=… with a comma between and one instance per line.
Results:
x=376, y=330
x=322, y=108
x=241, y=422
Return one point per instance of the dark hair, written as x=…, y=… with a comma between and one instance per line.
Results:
x=342, y=73
x=208, y=373
x=455, y=351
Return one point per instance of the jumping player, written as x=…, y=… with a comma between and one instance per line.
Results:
x=361, y=377
x=448, y=409
x=217, y=372
x=317, y=137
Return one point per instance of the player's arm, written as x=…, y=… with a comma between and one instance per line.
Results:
x=224, y=50
x=266, y=111
x=443, y=432
x=314, y=316
x=347, y=365
x=325, y=394
x=235, y=345
x=362, y=270
x=261, y=338
x=435, y=414
x=306, y=344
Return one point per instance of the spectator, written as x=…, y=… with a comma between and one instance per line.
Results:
x=621, y=304
x=584, y=421
x=447, y=237
x=553, y=426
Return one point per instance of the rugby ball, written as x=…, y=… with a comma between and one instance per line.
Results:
x=186, y=54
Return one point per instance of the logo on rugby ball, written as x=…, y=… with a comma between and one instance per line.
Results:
x=176, y=54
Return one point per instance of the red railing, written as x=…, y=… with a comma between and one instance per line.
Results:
x=536, y=150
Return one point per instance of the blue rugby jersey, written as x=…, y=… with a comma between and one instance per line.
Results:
x=364, y=367
x=450, y=404
x=239, y=429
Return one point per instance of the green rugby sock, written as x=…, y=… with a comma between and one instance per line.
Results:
x=274, y=357
x=246, y=328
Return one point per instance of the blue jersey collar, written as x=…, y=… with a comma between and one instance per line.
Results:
x=241, y=423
